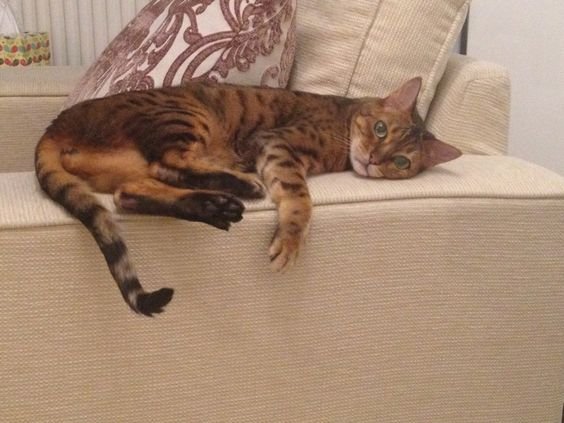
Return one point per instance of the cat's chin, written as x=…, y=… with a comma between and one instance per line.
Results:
x=359, y=167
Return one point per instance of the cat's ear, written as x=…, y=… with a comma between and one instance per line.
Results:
x=405, y=97
x=435, y=152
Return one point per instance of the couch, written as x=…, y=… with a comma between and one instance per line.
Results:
x=435, y=299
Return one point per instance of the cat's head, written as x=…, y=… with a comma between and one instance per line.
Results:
x=388, y=139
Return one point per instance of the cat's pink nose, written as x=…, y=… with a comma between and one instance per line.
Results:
x=375, y=159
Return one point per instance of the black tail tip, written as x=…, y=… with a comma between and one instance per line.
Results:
x=150, y=303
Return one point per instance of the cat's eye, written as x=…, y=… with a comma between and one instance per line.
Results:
x=402, y=162
x=380, y=129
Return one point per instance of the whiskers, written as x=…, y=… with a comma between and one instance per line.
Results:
x=342, y=140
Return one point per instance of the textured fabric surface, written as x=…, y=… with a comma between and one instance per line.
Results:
x=173, y=41
x=471, y=106
x=49, y=81
x=466, y=177
x=29, y=99
x=439, y=299
x=24, y=120
x=368, y=47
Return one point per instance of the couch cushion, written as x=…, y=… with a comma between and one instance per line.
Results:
x=369, y=47
x=38, y=81
x=29, y=100
x=170, y=42
x=467, y=177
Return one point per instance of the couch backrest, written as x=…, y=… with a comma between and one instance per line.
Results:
x=369, y=47
x=352, y=47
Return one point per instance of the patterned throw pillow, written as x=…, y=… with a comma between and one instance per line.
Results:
x=174, y=41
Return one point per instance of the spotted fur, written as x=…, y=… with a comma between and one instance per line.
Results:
x=190, y=152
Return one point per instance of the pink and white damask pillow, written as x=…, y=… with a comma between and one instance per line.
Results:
x=170, y=42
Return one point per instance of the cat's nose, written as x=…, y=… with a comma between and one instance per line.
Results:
x=375, y=159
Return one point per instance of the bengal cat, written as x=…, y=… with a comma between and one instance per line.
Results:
x=191, y=151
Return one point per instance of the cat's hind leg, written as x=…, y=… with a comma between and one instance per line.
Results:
x=105, y=168
x=149, y=196
x=182, y=169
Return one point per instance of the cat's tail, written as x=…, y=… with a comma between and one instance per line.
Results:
x=78, y=199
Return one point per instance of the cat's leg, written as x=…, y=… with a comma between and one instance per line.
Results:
x=185, y=169
x=105, y=168
x=150, y=196
x=284, y=174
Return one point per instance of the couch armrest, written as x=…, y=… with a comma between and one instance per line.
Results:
x=435, y=299
x=29, y=99
x=471, y=106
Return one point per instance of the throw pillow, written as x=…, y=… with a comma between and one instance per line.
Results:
x=370, y=47
x=173, y=41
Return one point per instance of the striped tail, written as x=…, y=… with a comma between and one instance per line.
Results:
x=77, y=198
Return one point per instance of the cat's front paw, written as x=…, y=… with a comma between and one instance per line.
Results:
x=284, y=249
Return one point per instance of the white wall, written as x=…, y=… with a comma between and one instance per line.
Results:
x=527, y=37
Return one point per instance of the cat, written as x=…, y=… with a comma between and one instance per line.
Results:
x=192, y=151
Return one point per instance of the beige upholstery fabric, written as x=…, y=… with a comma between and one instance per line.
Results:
x=468, y=176
x=29, y=99
x=25, y=120
x=367, y=47
x=48, y=81
x=438, y=299
x=471, y=106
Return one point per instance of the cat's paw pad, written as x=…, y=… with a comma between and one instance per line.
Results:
x=225, y=206
x=216, y=209
x=284, y=251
